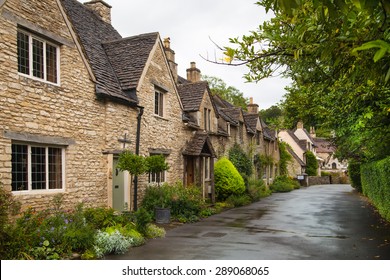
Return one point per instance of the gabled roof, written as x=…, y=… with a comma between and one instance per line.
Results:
x=199, y=144
x=295, y=156
x=268, y=133
x=117, y=63
x=251, y=122
x=324, y=145
x=128, y=57
x=191, y=95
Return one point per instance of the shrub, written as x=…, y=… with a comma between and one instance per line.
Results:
x=241, y=160
x=143, y=218
x=257, y=189
x=311, y=164
x=238, y=200
x=354, y=174
x=154, y=231
x=185, y=202
x=100, y=217
x=284, y=184
x=111, y=243
x=228, y=180
x=376, y=185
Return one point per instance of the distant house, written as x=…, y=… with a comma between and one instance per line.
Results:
x=326, y=151
x=299, y=141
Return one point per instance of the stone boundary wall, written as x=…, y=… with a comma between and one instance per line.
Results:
x=317, y=180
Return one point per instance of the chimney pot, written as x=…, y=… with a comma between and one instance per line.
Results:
x=252, y=108
x=193, y=73
x=170, y=54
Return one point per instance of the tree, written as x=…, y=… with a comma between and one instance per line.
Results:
x=273, y=116
x=228, y=93
x=311, y=164
x=337, y=55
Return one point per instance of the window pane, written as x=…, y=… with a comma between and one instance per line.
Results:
x=37, y=58
x=19, y=167
x=156, y=103
x=55, y=168
x=38, y=168
x=23, y=53
x=51, y=63
x=161, y=111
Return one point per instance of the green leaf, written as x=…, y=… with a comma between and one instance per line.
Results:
x=379, y=54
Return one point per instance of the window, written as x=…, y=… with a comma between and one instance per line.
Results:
x=37, y=58
x=157, y=177
x=207, y=119
x=159, y=103
x=37, y=167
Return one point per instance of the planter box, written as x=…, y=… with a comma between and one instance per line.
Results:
x=163, y=215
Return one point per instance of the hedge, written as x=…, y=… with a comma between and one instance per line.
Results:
x=354, y=174
x=376, y=185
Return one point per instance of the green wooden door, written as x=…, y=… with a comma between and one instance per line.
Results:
x=118, y=187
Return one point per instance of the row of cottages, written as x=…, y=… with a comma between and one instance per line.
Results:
x=74, y=94
x=300, y=141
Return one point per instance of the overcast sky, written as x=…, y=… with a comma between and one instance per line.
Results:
x=190, y=24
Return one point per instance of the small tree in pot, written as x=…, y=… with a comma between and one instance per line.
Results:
x=155, y=165
x=134, y=164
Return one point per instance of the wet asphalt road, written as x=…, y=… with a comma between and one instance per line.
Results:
x=327, y=222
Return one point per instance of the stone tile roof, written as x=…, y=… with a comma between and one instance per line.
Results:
x=199, y=144
x=191, y=95
x=295, y=156
x=128, y=57
x=116, y=63
x=251, y=122
x=324, y=145
x=267, y=132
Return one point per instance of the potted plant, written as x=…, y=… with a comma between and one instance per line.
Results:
x=134, y=164
x=156, y=165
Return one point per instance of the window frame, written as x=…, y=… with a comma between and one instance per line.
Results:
x=159, y=102
x=29, y=173
x=152, y=178
x=48, y=65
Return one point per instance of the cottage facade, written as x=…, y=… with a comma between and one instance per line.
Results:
x=75, y=94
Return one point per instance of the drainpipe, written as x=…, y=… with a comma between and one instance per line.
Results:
x=137, y=144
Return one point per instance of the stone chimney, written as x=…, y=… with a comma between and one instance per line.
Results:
x=312, y=132
x=102, y=9
x=170, y=54
x=193, y=73
x=300, y=125
x=252, y=108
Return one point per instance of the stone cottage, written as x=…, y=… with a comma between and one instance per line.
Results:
x=74, y=94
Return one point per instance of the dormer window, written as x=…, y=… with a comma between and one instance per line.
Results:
x=37, y=58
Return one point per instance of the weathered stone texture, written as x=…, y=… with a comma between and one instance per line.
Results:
x=69, y=110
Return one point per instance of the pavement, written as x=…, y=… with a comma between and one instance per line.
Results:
x=325, y=222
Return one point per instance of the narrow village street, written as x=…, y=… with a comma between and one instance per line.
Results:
x=327, y=222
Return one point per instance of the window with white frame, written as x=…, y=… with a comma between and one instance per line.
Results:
x=37, y=58
x=157, y=177
x=159, y=103
x=36, y=167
